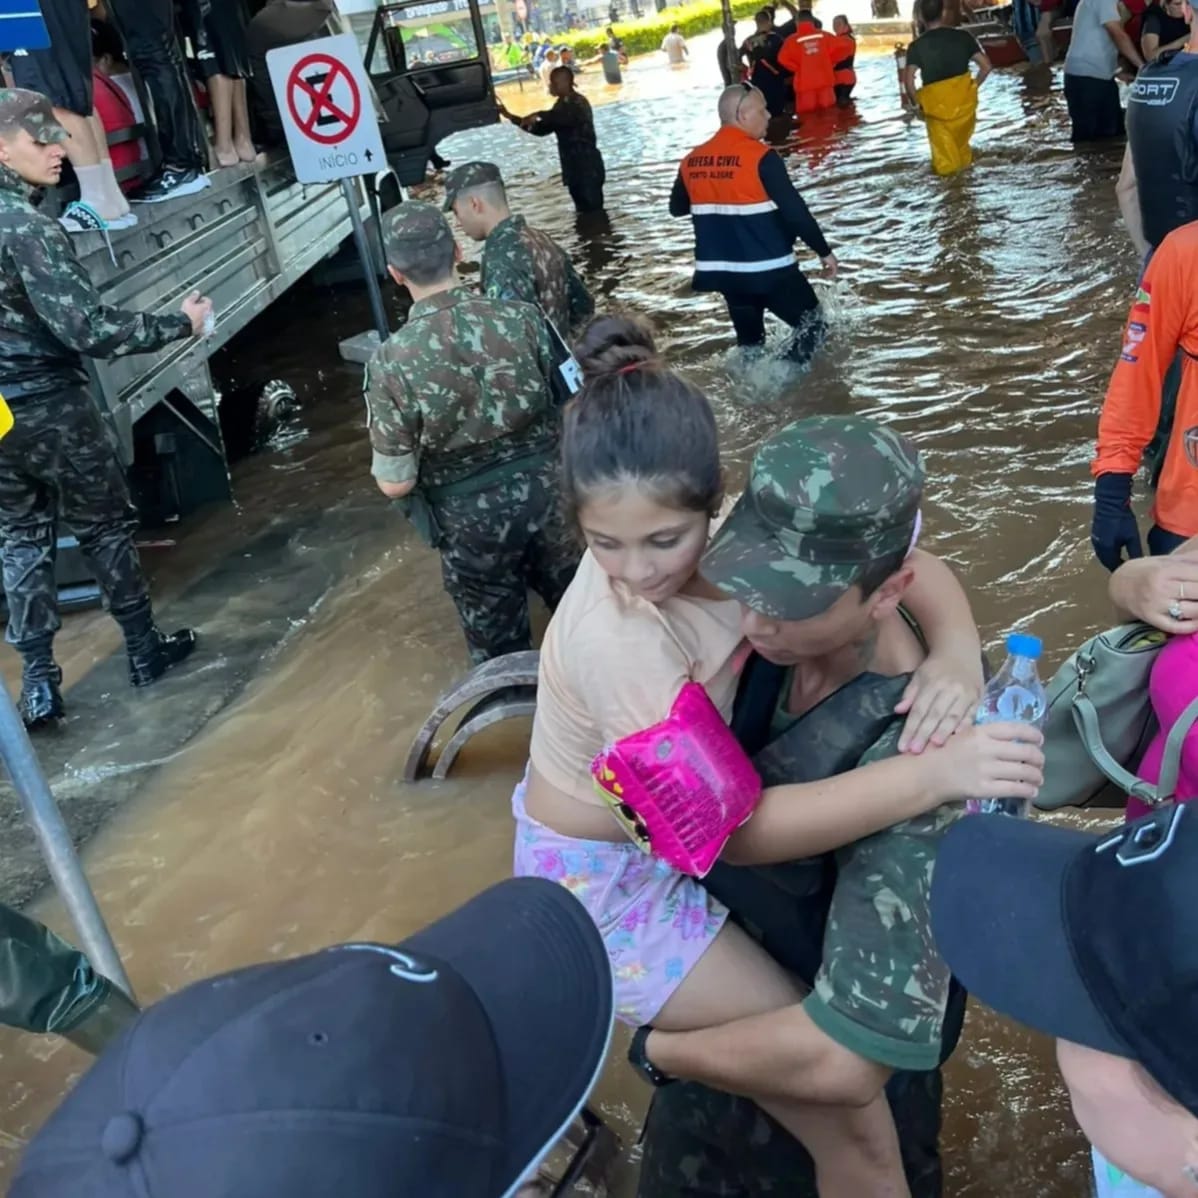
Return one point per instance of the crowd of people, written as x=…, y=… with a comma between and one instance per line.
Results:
x=819, y=971
x=87, y=73
x=814, y=972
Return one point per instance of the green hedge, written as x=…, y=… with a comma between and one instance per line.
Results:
x=640, y=37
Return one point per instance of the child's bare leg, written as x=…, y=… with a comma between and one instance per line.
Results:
x=736, y=989
x=855, y=1149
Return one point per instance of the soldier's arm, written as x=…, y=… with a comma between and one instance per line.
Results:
x=509, y=279
x=546, y=362
x=393, y=422
x=582, y=304
x=67, y=302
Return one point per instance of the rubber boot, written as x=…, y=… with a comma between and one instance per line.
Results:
x=40, y=703
x=104, y=1022
x=151, y=651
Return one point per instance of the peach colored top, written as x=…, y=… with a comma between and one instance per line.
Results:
x=613, y=663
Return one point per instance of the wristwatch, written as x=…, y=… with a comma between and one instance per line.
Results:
x=639, y=1060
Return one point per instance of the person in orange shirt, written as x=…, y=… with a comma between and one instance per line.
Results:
x=1162, y=327
x=808, y=56
x=844, y=54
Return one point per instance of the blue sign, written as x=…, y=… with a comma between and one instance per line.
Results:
x=22, y=27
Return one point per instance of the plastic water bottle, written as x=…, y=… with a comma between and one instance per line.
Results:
x=1014, y=695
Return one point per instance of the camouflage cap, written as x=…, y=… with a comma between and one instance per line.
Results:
x=469, y=174
x=826, y=498
x=31, y=111
x=414, y=223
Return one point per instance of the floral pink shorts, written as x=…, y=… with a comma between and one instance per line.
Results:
x=655, y=921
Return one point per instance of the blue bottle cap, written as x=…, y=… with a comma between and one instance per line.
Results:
x=1023, y=644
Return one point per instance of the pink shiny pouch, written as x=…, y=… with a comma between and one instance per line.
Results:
x=681, y=787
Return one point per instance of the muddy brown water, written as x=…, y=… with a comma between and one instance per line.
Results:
x=979, y=315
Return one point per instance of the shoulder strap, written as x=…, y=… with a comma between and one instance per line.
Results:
x=1171, y=762
x=1085, y=717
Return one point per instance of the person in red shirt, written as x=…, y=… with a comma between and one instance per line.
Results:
x=1162, y=328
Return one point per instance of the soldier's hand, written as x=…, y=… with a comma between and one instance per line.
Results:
x=830, y=267
x=196, y=308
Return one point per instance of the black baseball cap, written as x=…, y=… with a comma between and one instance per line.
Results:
x=1088, y=939
x=444, y=1067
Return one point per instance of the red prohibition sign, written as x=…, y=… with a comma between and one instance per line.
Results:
x=321, y=98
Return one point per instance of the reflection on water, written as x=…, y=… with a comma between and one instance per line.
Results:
x=979, y=315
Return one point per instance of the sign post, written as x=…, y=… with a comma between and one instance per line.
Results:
x=324, y=101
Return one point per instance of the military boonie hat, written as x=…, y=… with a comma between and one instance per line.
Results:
x=827, y=497
x=415, y=223
x=469, y=174
x=31, y=111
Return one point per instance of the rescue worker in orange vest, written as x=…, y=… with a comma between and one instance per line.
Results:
x=844, y=53
x=1163, y=320
x=747, y=214
x=808, y=57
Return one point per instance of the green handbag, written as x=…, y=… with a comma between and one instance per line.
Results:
x=1100, y=723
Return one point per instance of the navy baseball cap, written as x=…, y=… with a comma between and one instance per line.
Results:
x=445, y=1067
x=1089, y=939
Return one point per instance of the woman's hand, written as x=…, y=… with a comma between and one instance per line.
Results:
x=988, y=761
x=1147, y=588
x=941, y=698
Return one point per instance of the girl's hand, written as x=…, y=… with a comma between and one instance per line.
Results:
x=941, y=698
x=988, y=761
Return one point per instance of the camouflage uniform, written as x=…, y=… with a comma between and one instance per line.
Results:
x=458, y=402
x=59, y=459
x=522, y=263
x=854, y=922
x=583, y=171
x=47, y=985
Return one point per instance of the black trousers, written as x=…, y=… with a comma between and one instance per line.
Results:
x=1161, y=541
x=63, y=73
x=58, y=462
x=1094, y=109
x=148, y=30
x=792, y=301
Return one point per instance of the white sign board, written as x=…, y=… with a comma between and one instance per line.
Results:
x=326, y=108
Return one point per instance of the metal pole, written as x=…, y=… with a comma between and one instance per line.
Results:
x=729, y=48
x=57, y=849
x=372, y=280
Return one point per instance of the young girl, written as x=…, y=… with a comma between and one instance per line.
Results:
x=642, y=479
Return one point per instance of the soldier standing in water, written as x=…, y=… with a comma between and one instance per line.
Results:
x=58, y=458
x=465, y=434
x=518, y=261
x=583, y=170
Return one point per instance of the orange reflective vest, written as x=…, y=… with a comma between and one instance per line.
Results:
x=739, y=237
x=1163, y=321
x=843, y=52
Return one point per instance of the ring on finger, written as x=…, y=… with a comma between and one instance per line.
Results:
x=1175, y=612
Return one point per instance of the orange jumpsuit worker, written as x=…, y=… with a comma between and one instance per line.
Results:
x=1162, y=322
x=806, y=55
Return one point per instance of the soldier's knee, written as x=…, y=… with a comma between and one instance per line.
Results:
x=37, y=529
x=110, y=528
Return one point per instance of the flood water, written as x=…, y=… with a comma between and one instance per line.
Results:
x=979, y=315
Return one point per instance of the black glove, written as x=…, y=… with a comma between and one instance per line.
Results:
x=1114, y=527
